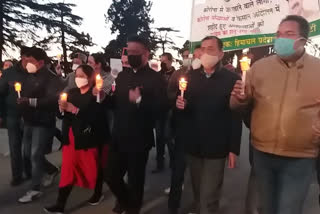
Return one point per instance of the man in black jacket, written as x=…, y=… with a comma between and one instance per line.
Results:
x=213, y=131
x=163, y=125
x=138, y=101
x=38, y=104
x=12, y=115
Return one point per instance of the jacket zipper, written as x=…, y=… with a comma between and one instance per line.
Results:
x=281, y=109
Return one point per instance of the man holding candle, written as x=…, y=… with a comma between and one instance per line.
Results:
x=38, y=104
x=12, y=115
x=138, y=101
x=212, y=131
x=283, y=90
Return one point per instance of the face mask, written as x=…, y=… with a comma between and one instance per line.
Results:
x=80, y=82
x=209, y=61
x=196, y=64
x=75, y=66
x=186, y=63
x=135, y=61
x=31, y=68
x=284, y=47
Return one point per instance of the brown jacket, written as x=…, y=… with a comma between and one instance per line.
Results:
x=284, y=105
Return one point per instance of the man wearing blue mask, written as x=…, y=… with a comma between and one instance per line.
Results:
x=283, y=90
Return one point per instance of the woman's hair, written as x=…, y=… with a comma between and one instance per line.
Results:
x=100, y=58
x=88, y=70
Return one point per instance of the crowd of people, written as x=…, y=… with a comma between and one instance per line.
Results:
x=197, y=111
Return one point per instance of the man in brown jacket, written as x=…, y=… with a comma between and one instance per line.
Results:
x=283, y=89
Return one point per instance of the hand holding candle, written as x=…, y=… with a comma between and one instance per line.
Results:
x=17, y=87
x=182, y=86
x=99, y=84
x=59, y=59
x=63, y=98
x=245, y=66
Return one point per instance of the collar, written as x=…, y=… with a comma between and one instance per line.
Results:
x=217, y=70
x=299, y=63
x=140, y=70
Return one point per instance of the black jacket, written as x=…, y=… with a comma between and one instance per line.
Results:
x=8, y=95
x=46, y=87
x=212, y=130
x=134, y=123
x=89, y=126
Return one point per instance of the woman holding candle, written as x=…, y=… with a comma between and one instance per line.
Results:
x=85, y=133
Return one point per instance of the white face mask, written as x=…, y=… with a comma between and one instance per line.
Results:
x=31, y=68
x=186, y=63
x=209, y=61
x=75, y=66
x=196, y=64
x=81, y=82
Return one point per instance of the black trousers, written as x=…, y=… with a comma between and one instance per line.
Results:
x=130, y=196
x=164, y=137
x=177, y=174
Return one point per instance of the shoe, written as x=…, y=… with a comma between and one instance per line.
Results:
x=16, y=182
x=30, y=196
x=49, y=179
x=159, y=169
x=167, y=190
x=95, y=200
x=54, y=210
x=118, y=208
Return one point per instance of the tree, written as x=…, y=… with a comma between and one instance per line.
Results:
x=60, y=23
x=129, y=17
x=164, y=39
x=16, y=23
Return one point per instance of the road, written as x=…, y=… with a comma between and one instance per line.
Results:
x=232, y=201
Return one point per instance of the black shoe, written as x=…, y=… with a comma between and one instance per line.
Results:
x=173, y=211
x=118, y=208
x=16, y=182
x=96, y=200
x=160, y=168
x=54, y=210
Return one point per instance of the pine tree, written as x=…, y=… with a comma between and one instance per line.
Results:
x=129, y=17
x=16, y=21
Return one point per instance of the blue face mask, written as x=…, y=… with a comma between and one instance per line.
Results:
x=284, y=47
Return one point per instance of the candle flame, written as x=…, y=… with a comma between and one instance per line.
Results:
x=17, y=86
x=64, y=96
x=98, y=77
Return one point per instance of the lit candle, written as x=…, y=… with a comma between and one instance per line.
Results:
x=63, y=98
x=245, y=66
x=99, y=84
x=182, y=86
x=59, y=59
x=17, y=87
x=113, y=86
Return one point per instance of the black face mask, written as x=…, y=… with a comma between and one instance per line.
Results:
x=163, y=66
x=135, y=61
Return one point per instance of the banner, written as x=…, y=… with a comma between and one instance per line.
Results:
x=248, y=23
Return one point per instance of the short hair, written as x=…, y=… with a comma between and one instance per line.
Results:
x=83, y=57
x=38, y=54
x=304, y=26
x=168, y=55
x=141, y=40
x=24, y=50
x=100, y=58
x=219, y=41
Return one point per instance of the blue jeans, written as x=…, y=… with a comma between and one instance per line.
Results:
x=14, y=126
x=283, y=182
x=35, y=141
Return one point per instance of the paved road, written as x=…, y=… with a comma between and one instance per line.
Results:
x=155, y=201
